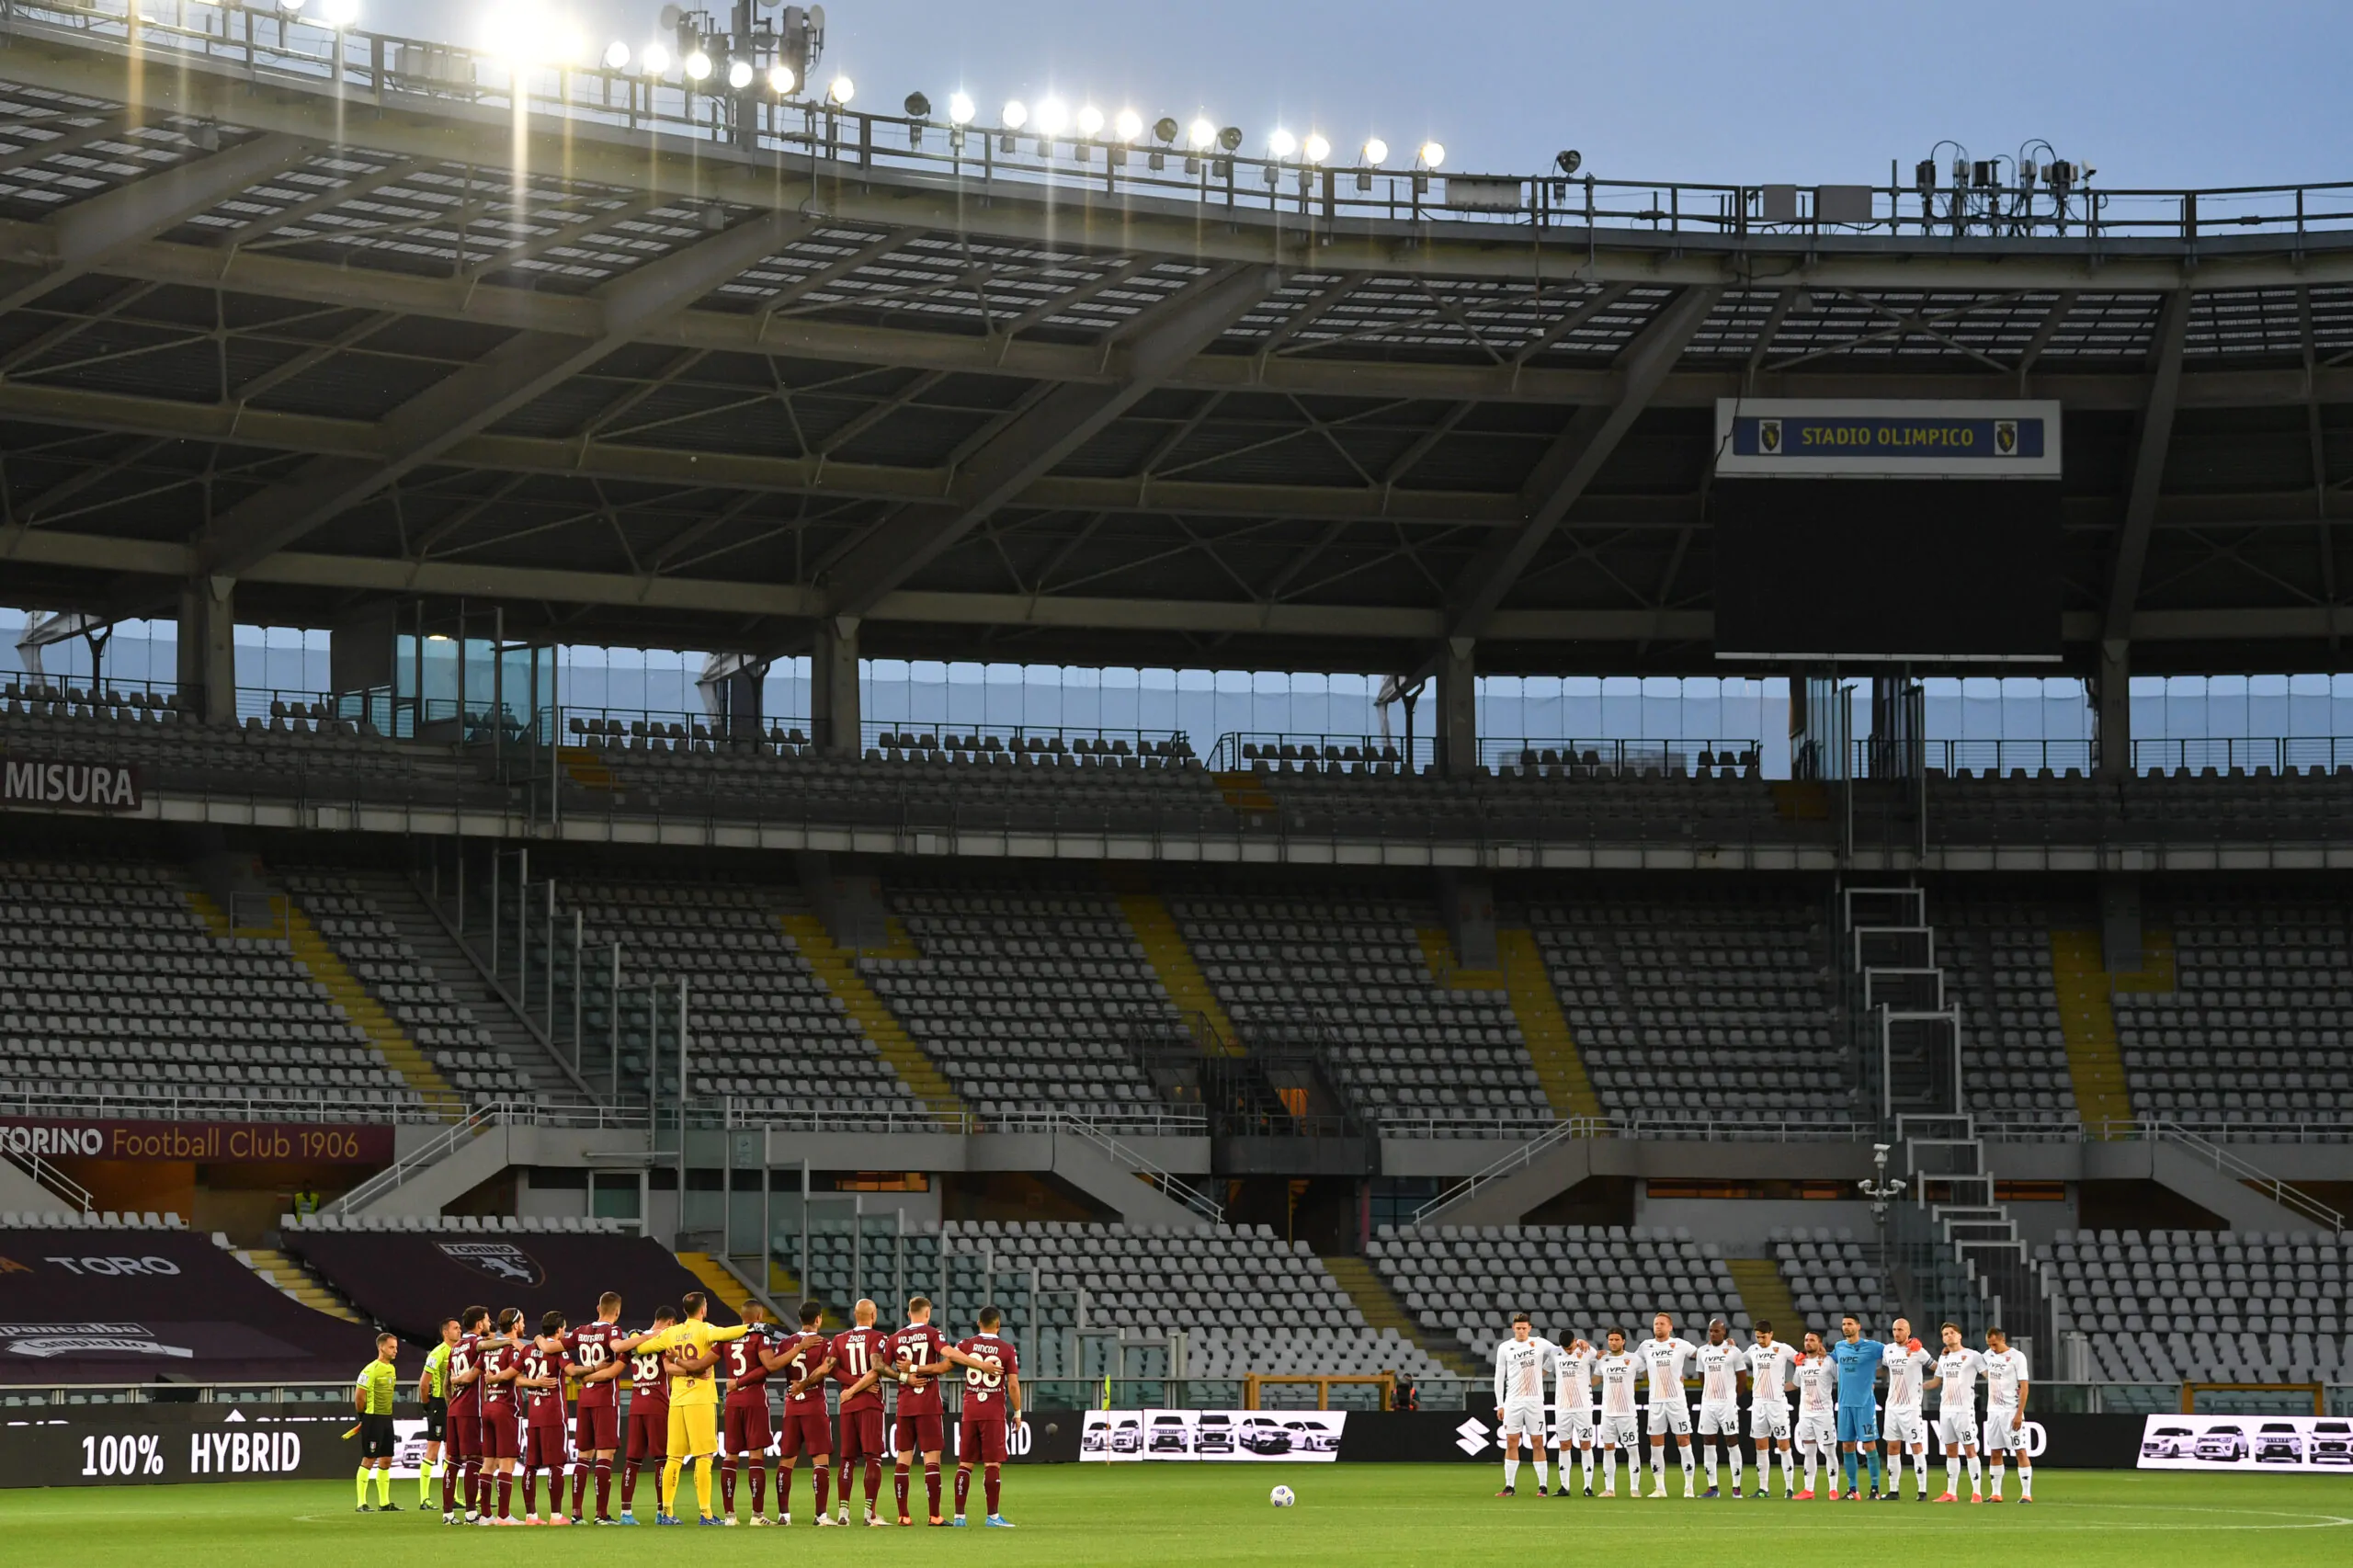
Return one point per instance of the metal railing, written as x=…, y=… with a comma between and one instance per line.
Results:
x=1511, y=1163
x=1989, y=196
x=50, y=1178
x=2247, y=1173
x=418, y=1160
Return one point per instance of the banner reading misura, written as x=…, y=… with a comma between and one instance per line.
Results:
x=1885, y=439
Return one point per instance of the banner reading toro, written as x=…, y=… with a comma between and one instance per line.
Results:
x=204, y=1142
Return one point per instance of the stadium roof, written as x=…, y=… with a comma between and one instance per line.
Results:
x=322, y=315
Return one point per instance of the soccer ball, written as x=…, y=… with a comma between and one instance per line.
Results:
x=1282, y=1497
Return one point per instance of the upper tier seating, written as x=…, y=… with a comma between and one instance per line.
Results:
x=764, y=1028
x=1347, y=973
x=1024, y=996
x=442, y=1026
x=2255, y=1029
x=1464, y=1282
x=1997, y=958
x=1706, y=1009
x=110, y=984
x=2205, y=1306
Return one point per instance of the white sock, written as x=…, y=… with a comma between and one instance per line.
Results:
x=1999, y=1471
x=1610, y=1470
x=1683, y=1453
x=1511, y=1470
x=1789, y=1470
x=1896, y=1473
x=1734, y=1450
x=1586, y=1456
x=1809, y=1467
x=1540, y=1470
x=1658, y=1468
x=2025, y=1478
x=1712, y=1459
x=1953, y=1473
x=1976, y=1471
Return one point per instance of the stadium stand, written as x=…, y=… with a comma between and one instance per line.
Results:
x=99, y=1304
x=2208, y=1306
x=1715, y=1010
x=1347, y=975
x=410, y=1279
x=1463, y=1282
x=1025, y=995
x=116, y=980
x=1829, y=1274
x=767, y=1032
x=1998, y=959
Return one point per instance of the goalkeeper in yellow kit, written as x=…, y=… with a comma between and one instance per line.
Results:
x=687, y=1350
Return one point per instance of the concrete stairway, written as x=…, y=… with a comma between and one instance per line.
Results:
x=1172, y=960
x=384, y=1032
x=1381, y=1309
x=1245, y=792
x=2088, y=1024
x=1765, y=1296
x=716, y=1281
x=1537, y=1006
x=397, y=899
x=835, y=966
x=282, y=1271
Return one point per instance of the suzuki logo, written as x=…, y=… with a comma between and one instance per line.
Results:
x=1471, y=1436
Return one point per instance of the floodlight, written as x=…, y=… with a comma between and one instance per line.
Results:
x=1053, y=116
x=1568, y=162
x=1317, y=147
x=918, y=107
x=290, y=5
x=1129, y=124
x=841, y=89
x=339, y=13
x=656, y=59
x=1016, y=115
x=779, y=79
x=1281, y=142
x=616, y=55
x=1164, y=128
x=1230, y=138
x=1202, y=134
x=697, y=65
x=669, y=18
x=959, y=109
x=1432, y=155
x=1090, y=121
x=1376, y=152
x=739, y=73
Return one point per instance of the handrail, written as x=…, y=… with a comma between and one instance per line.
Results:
x=48, y=1176
x=2246, y=1171
x=1517, y=1159
x=1184, y=1192
x=397, y=1175
x=1989, y=201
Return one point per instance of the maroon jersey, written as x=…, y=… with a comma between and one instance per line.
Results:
x=808, y=1354
x=465, y=1399
x=918, y=1344
x=649, y=1386
x=497, y=1399
x=984, y=1398
x=544, y=1407
x=590, y=1348
x=858, y=1351
x=739, y=1360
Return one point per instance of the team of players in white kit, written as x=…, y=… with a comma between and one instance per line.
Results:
x=1836, y=1412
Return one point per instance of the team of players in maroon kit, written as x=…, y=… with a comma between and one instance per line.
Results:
x=507, y=1407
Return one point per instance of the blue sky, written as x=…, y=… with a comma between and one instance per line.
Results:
x=2157, y=94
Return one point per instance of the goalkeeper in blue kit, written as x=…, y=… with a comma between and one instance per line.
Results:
x=1858, y=1361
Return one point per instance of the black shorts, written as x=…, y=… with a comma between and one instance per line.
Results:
x=437, y=1416
x=377, y=1437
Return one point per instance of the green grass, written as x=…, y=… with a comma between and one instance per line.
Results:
x=1358, y=1515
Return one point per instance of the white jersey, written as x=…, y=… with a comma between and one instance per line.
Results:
x=1906, y=1368
x=1573, y=1387
x=1522, y=1368
x=2005, y=1375
x=1769, y=1372
x=1817, y=1386
x=1720, y=1373
x=1958, y=1370
x=1663, y=1360
x=1617, y=1374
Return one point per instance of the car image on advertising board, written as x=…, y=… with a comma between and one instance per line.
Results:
x=2275, y=1444
x=1277, y=1437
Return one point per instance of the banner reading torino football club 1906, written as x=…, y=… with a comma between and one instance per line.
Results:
x=206, y=1142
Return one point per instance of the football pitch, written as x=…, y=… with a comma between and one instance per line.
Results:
x=1353, y=1515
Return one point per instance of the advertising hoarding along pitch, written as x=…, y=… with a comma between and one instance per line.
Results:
x=2281, y=1444
x=1886, y=438
x=1242, y=1436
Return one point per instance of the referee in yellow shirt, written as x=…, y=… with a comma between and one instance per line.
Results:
x=371, y=1394
x=694, y=1399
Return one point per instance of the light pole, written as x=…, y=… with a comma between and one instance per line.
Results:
x=1881, y=1191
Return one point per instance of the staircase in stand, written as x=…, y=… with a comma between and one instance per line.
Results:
x=1381, y=1309
x=1966, y=1255
x=1560, y=1066
x=835, y=966
x=282, y=1271
x=1764, y=1295
x=717, y=1282
x=312, y=952
x=2088, y=1023
x=1245, y=793
x=1172, y=960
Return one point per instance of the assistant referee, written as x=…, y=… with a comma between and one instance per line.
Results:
x=371, y=1394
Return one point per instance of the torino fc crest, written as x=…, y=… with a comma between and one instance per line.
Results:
x=503, y=1261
